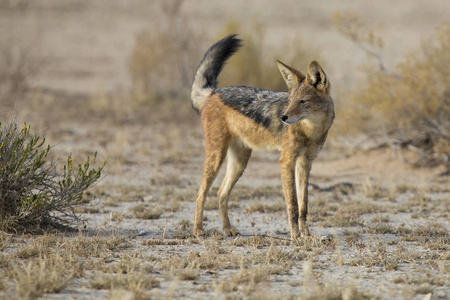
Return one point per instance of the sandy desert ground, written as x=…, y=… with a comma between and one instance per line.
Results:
x=380, y=228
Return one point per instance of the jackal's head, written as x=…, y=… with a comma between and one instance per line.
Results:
x=309, y=95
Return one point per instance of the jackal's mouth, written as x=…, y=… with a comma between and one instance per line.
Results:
x=293, y=120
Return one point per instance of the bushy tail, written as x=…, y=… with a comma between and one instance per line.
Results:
x=205, y=79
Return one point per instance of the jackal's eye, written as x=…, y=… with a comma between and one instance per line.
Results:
x=302, y=101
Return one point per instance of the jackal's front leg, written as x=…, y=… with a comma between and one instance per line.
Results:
x=302, y=170
x=287, y=176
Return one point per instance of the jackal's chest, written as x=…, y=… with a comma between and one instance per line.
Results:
x=311, y=129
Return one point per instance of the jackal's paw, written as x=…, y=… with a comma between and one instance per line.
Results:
x=230, y=231
x=296, y=237
x=199, y=233
x=305, y=231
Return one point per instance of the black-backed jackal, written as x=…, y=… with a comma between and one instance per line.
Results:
x=239, y=119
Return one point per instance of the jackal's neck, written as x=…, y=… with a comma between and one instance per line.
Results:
x=316, y=125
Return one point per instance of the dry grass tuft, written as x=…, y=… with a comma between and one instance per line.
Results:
x=353, y=238
x=184, y=231
x=171, y=179
x=142, y=211
x=422, y=282
x=32, y=251
x=264, y=208
x=258, y=242
x=91, y=209
x=276, y=256
x=376, y=255
x=372, y=191
x=40, y=246
x=136, y=282
x=48, y=274
x=249, y=281
x=5, y=238
x=127, y=263
x=381, y=228
x=421, y=278
x=96, y=246
x=186, y=274
x=250, y=278
x=116, y=216
x=332, y=291
x=348, y=213
x=424, y=232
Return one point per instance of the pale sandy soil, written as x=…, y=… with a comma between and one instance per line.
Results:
x=385, y=236
x=383, y=245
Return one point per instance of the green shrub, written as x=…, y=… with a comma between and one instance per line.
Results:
x=411, y=104
x=32, y=192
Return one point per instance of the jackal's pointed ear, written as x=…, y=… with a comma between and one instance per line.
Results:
x=291, y=76
x=317, y=77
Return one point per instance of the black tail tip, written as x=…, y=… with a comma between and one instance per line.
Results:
x=232, y=39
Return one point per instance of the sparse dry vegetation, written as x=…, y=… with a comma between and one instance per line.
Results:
x=264, y=208
x=19, y=62
x=161, y=63
x=136, y=282
x=33, y=193
x=332, y=291
x=370, y=228
x=48, y=274
x=141, y=211
x=409, y=104
x=143, y=267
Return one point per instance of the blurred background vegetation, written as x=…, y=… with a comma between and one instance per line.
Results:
x=408, y=103
x=122, y=61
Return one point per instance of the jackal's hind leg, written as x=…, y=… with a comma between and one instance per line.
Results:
x=213, y=161
x=237, y=159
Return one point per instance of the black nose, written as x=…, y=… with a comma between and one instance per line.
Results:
x=284, y=118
